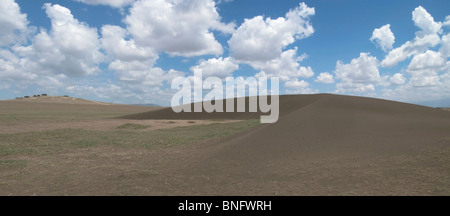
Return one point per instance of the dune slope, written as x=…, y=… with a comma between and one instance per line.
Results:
x=325, y=144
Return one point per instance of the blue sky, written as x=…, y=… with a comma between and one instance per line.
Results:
x=127, y=51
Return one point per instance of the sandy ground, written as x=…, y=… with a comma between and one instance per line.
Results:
x=36, y=114
x=329, y=144
x=100, y=125
x=321, y=145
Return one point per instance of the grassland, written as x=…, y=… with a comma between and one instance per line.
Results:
x=18, y=112
x=52, y=161
x=74, y=161
x=57, y=141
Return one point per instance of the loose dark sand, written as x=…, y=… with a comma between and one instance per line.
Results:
x=324, y=144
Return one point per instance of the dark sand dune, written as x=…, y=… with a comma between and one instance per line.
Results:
x=287, y=104
x=323, y=144
x=331, y=124
x=341, y=125
x=292, y=103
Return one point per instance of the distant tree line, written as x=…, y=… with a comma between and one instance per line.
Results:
x=38, y=95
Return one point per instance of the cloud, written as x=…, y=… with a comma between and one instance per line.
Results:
x=260, y=40
x=11, y=68
x=361, y=70
x=70, y=47
x=16, y=73
x=408, y=49
x=103, y=91
x=429, y=69
x=219, y=67
x=447, y=21
x=117, y=47
x=287, y=66
x=359, y=75
x=383, y=37
x=112, y=3
x=429, y=87
x=139, y=79
x=52, y=59
x=70, y=51
x=424, y=68
x=445, y=48
x=296, y=84
x=13, y=23
x=428, y=60
x=354, y=87
x=133, y=64
x=397, y=79
x=111, y=92
x=426, y=38
x=138, y=75
x=181, y=28
x=261, y=43
x=425, y=21
x=298, y=87
x=121, y=92
x=325, y=78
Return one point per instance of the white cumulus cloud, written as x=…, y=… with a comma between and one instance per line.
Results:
x=425, y=21
x=424, y=68
x=70, y=47
x=429, y=68
x=133, y=64
x=261, y=43
x=410, y=48
x=361, y=70
x=397, y=79
x=428, y=60
x=287, y=66
x=445, y=48
x=219, y=67
x=354, y=87
x=383, y=37
x=359, y=75
x=296, y=84
x=259, y=39
x=13, y=23
x=127, y=58
x=117, y=47
x=325, y=78
x=182, y=28
x=447, y=21
x=427, y=38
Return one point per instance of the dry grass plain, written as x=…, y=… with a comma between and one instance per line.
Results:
x=322, y=145
x=74, y=147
